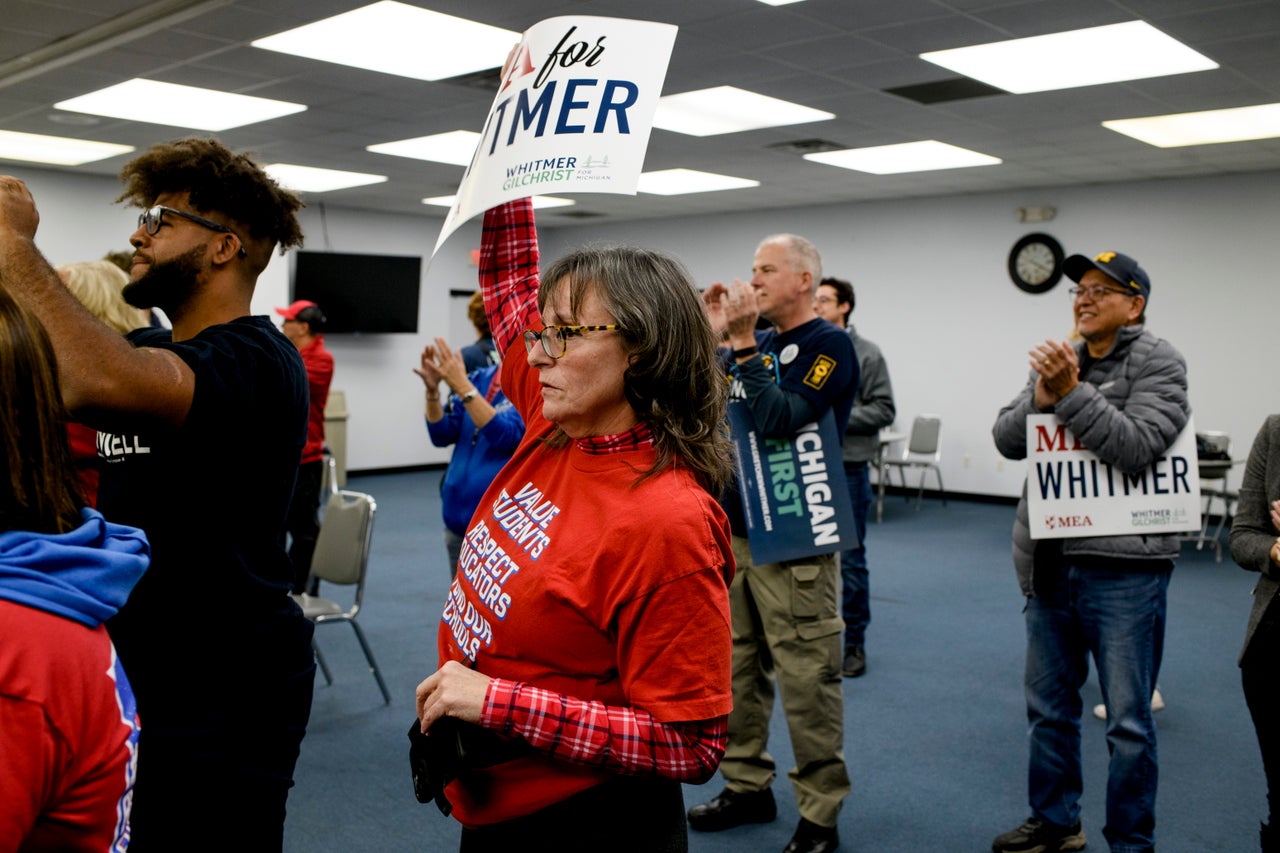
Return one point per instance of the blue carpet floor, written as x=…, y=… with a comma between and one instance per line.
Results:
x=934, y=732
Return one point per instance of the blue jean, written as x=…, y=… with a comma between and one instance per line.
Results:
x=1117, y=617
x=453, y=545
x=856, y=604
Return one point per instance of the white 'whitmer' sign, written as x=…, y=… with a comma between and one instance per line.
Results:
x=573, y=114
x=1071, y=492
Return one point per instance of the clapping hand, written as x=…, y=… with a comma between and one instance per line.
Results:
x=1059, y=371
x=449, y=363
x=428, y=369
x=732, y=309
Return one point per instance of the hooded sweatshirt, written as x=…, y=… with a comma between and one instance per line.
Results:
x=68, y=724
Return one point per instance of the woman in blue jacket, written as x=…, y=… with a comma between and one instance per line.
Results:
x=482, y=425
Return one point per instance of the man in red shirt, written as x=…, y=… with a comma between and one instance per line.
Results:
x=304, y=325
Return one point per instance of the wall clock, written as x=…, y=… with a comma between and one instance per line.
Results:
x=1035, y=263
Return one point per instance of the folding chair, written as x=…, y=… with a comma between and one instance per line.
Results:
x=342, y=558
x=923, y=451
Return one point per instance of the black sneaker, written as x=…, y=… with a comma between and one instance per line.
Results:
x=1036, y=836
x=855, y=662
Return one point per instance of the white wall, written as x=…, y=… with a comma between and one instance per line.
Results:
x=931, y=283
x=78, y=219
x=932, y=290
x=385, y=399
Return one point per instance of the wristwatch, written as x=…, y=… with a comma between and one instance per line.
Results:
x=469, y=396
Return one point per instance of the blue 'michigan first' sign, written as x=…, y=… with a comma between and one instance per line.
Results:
x=794, y=495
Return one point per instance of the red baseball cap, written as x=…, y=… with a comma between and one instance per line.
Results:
x=291, y=313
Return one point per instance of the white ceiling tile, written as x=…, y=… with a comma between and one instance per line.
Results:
x=836, y=55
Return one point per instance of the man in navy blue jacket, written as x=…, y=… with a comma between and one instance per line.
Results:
x=786, y=616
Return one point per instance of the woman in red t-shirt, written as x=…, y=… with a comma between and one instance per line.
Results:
x=588, y=624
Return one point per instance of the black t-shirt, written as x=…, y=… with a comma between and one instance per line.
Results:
x=212, y=497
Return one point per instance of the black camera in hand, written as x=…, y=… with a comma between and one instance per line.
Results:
x=452, y=748
x=436, y=759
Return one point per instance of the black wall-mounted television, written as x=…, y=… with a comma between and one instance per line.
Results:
x=362, y=294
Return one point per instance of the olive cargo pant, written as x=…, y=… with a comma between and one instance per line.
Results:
x=787, y=630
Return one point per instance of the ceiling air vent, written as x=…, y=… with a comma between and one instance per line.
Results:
x=941, y=91
x=488, y=79
x=806, y=146
x=571, y=214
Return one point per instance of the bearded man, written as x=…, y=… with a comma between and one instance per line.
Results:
x=200, y=429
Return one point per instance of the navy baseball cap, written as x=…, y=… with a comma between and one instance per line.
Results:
x=1122, y=268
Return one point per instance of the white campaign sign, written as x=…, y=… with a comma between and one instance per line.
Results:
x=1071, y=492
x=572, y=114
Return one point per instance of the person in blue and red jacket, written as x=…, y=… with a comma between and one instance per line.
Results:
x=200, y=429
x=68, y=720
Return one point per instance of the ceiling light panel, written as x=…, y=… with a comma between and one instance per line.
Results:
x=1208, y=127
x=455, y=147
x=925, y=156
x=313, y=180
x=686, y=181
x=1108, y=54
x=728, y=109
x=396, y=38
x=55, y=150
x=178, y=106
x=540, y=202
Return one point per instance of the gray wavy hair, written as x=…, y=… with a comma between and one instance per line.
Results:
x=674, y=381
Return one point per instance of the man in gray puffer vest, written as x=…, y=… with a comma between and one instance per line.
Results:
x=1123, y=393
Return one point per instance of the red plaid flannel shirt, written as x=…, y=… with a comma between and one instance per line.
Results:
x=509, y=271
x=627, y=740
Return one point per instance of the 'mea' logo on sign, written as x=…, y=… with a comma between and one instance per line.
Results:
x=1055, y=522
